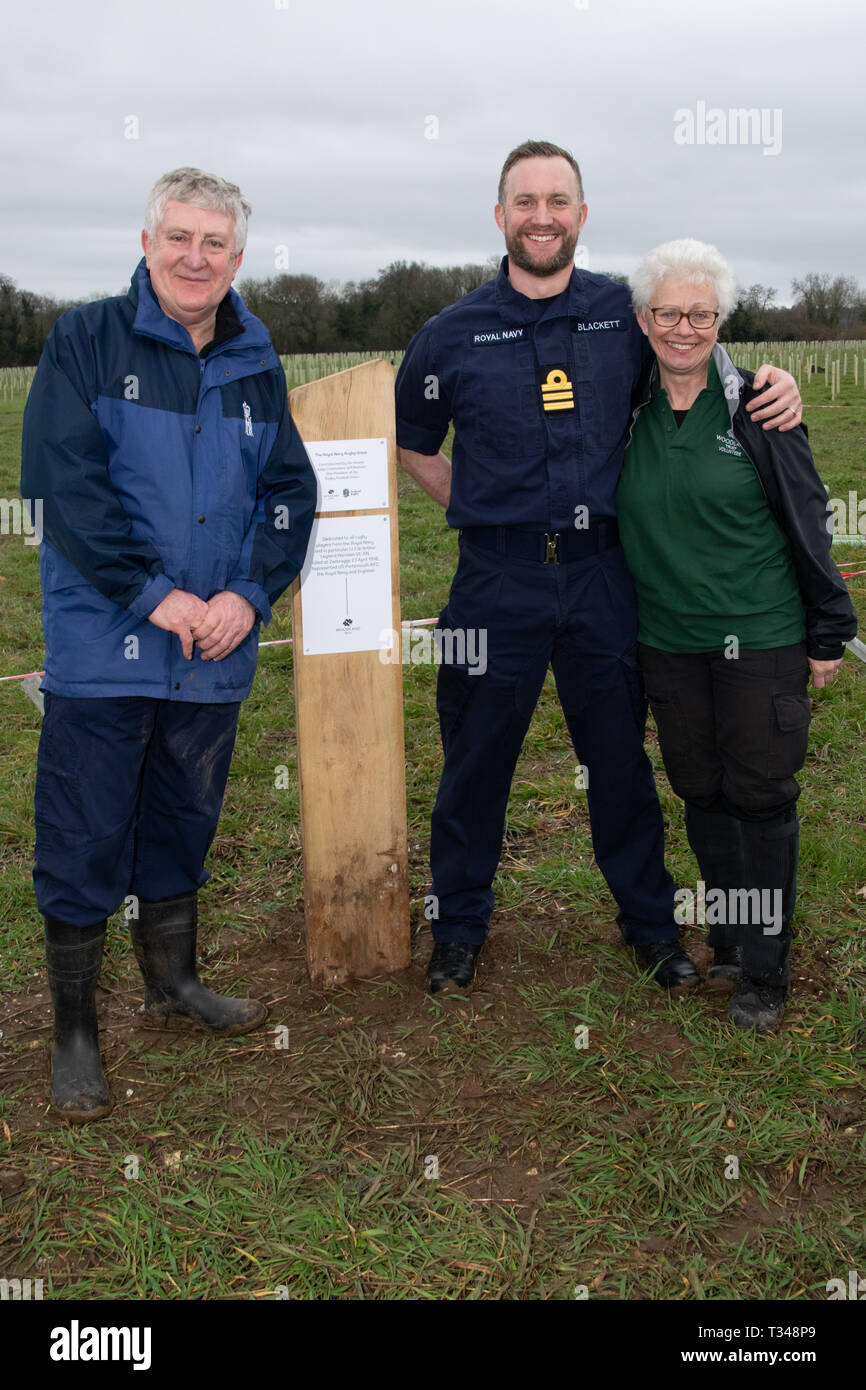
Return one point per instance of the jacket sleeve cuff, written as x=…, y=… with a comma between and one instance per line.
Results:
x=254, y=594
x=157, y=587
x=825, y=653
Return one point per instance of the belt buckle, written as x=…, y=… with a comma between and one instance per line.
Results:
x=551, y=545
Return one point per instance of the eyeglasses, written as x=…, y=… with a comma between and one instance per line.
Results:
x=698, y=318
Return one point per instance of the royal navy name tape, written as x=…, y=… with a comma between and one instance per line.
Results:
x=510, y=335
x=507, y=335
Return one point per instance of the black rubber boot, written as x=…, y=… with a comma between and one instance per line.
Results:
x=770, y=853
x=79, y=1089
x=164, y=941
x=717, y=844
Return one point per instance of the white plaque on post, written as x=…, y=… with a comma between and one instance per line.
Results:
x=346, y=585
x=352, y=473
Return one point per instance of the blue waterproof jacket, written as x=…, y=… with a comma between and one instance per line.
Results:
x=539, y=394
x=154, y=469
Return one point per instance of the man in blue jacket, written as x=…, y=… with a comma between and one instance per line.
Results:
x=536, y=370
x=177, y=502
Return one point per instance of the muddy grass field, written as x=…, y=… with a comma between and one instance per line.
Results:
x=370, y=1142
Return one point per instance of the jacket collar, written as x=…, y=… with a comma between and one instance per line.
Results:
x=517, y=308
x=153, y=323
x=734, y=384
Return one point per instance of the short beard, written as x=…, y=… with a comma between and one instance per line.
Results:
x=518, y=256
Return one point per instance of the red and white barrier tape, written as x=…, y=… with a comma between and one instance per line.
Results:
x=25, y=677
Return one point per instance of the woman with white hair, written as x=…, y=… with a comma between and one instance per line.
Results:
x=724, y=526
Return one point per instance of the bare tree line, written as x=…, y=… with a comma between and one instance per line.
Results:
x=305, y=314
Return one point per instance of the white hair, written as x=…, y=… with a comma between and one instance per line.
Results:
x=692, y=263
x=201, y=190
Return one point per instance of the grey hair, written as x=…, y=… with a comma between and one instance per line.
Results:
x=692, y=263
x=202, y=190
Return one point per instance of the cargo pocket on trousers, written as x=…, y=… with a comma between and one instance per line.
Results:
x=637, y=696
x=674, y=741
x=59, y=799
x=789, y=734
x=454, y=687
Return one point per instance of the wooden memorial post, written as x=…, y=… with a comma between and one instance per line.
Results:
x=349, y=702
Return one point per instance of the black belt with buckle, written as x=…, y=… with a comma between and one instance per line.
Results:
x=548, y=547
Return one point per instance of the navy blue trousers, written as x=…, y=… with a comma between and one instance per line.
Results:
x=128, y=796
x=580, y=618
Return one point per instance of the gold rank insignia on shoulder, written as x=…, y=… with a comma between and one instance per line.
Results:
x=557, y=392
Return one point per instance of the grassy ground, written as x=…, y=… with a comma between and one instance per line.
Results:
x=301, y=1161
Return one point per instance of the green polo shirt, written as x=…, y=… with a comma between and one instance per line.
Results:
x=708, y=559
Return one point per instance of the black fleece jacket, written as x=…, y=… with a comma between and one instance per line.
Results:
x=798, y=502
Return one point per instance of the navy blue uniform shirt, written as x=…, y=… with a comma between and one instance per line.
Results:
x=540, y=404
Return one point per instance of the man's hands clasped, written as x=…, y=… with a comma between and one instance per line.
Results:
x=215, y=627
x=228, y=620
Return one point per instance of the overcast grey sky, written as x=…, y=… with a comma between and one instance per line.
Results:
x=321, y=112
